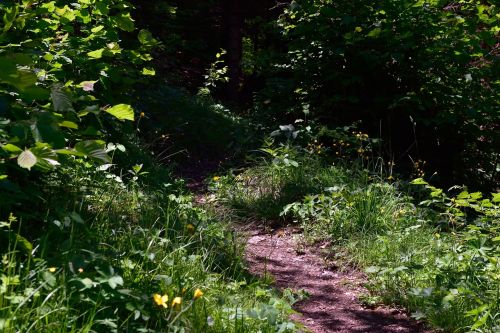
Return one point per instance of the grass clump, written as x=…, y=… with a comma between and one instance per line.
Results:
x=437, y=257
x=122, y=256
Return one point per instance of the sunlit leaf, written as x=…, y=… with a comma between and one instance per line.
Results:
x=97, y=54
x=26, y=159
x=122, y=112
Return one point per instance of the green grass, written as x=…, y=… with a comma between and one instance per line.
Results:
x=441, y=263
x=105, y=250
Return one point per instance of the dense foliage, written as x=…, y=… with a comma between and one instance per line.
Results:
x=440, y=263
x=330, y=107
x=422, y=75
x=67, y=70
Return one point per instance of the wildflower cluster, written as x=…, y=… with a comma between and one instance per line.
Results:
x=315, y=147
x=363, y=143
x=419, y=167
x=340, y=148
x=162, y=300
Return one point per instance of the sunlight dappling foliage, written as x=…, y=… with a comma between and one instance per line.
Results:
x=138, y=137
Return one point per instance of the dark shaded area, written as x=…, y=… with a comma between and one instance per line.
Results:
x=335, y=68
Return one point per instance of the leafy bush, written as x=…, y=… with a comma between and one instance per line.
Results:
x=412, y=258
x=63, y=89
x=437, y=258
x=120, y=256
x=419, y=73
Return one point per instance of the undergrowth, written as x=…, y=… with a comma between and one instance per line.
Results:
x=122, y=256
x=432, y=252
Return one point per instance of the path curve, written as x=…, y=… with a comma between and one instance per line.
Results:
x=332, y=304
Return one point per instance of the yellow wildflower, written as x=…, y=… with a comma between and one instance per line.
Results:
x=197, y=294
x=216, y=178
x=177, y=301
x=160, y=300
x=142, y=114
x=52, y=269
x=390, y=177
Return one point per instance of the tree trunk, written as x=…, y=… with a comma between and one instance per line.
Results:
x=233, y=20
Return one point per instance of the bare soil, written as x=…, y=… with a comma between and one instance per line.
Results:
x=332, y=305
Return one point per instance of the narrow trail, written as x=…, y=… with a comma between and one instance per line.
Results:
x=332, y=305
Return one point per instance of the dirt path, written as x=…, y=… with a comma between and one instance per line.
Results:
x=332, y=305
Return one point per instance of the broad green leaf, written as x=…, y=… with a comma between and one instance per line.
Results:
x=19, y=78
x=122, y=112
x=35, y=93
x=46, y=157
x=93, y=149
x=87, y=283
x=68, y=124
x=97, y=29
x=12, y=148
x=60, y=99
x=69, y=152
x=145, y=37
x=97, y=54
x=9, y=16
x=115, y=281
x=26, y=159
x=124, y=22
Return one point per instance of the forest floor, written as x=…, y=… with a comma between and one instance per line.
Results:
x=332, y=303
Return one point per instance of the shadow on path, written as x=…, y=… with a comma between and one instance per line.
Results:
x=332, y=305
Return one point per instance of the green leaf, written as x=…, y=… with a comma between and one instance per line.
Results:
x=146, y=71
x=115, y=281
x=35, y=94
x=60, y=99
x=87, y=283
x=97, y=29
x=122, y=112
x=26, y=159
x=374, y=33
x=19, y=78
x=69, y=152
x=10, y=148
x=93, y=149
x=97, y=54
x=68, y=124
x=46, y=157
x=9, y=16
x=419, y=181
x=124, y=22
x=49, y=278
x=145, y=37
